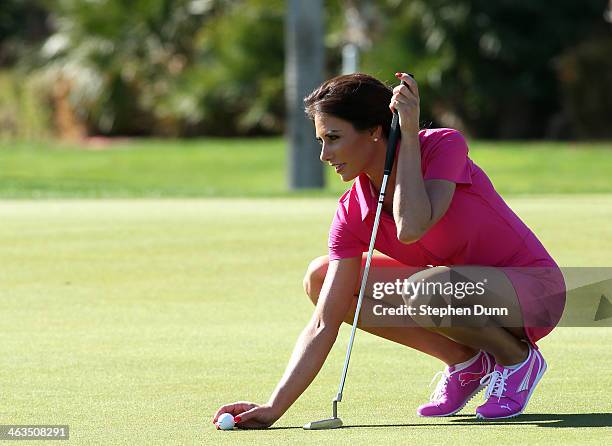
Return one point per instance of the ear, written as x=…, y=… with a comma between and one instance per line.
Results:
x=376, y=132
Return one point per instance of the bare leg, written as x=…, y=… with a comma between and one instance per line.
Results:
x=506, y=347
x=504, y=339
x=418, y=338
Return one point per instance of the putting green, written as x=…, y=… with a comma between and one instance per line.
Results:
x=133, y=320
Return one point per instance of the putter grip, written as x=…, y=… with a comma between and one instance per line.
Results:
x=394, y=136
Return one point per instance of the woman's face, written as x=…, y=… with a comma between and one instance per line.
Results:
x=349, y=151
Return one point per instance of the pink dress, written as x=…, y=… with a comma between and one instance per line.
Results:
x=479, y=228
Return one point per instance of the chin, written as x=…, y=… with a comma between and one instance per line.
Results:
x=347, y=176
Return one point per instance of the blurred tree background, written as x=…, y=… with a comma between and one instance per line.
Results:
x=503, y=69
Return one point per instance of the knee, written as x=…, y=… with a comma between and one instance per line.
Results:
x=421, y=284
x=314, y=277
x=425, y=291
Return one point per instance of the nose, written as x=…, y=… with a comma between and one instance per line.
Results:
x=325, y=155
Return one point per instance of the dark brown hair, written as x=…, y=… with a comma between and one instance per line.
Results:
x=357, y=98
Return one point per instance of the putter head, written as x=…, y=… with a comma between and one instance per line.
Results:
x=328, y=423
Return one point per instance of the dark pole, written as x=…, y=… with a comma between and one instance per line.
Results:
x=303, y=72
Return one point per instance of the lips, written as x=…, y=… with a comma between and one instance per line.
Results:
x=339, y=167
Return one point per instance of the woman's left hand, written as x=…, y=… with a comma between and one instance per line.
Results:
x=405, y=100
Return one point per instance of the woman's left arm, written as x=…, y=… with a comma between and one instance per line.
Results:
x=417, y=204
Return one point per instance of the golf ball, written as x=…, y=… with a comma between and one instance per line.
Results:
x=225, y=421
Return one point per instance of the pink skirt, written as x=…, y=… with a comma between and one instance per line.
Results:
x=538, y=283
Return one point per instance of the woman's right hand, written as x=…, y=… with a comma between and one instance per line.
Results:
x=249, y=415
x=311, y=349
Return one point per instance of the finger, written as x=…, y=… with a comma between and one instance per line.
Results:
x=228, y=408
x=253, y=424
x=396, y=105
x=402, y=101
x=245, y=416
x=409, y=79
x=233, y=408
x=403, y=90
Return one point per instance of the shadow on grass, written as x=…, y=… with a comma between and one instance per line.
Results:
x=549, y=420
x=557, y=420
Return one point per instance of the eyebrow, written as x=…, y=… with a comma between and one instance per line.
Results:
x=331, y=131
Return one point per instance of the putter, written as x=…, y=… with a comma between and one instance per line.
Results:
x=394, y=136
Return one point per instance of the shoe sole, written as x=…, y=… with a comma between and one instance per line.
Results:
x=476, y=392
x=535, y=384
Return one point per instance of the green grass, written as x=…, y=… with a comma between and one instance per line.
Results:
x=133, y=320
x=256, y=168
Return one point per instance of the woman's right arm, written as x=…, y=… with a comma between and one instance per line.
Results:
x=311, y=349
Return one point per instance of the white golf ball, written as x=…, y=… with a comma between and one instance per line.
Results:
x=225, y=421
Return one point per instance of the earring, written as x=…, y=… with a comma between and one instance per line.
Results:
x=375, y=139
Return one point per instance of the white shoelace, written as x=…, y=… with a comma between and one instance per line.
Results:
x=439, y=390
x=496, y=381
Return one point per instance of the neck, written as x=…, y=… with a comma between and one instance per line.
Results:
x=375, y=172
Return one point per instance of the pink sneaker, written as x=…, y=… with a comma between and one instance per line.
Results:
x=457, y=386
x=509, y=390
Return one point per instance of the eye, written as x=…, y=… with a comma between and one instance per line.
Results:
x=330, y=137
